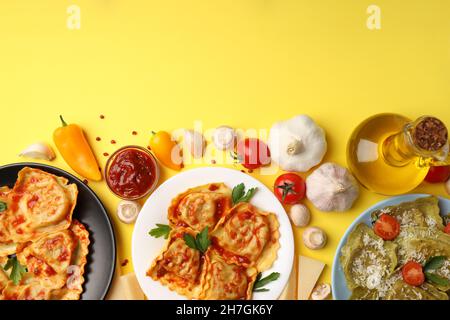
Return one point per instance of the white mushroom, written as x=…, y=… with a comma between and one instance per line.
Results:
x=331, y=188
x=300, y=215
x=297, y=144
x=321, y=292
x=314, y=238
x=38, y=150
x=127, y=211
x=195, y=142
x=224, y=138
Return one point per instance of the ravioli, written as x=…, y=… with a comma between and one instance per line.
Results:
x=48, y=258
x=200, y=207
x=423, y=212
x=75, y=271
x=366, y=259
x=29, y=291
x=248, y=237
x=421, y=244
x=4, y=279
x=223, y=281
x=179, y=267
x=38, y=204
x=403, y=291
x=55, y=266
x=7, y=246
x=421, y=238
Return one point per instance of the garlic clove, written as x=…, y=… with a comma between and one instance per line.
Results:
x=195, y=142
x=321, y=292
x=314, y=238
x=38, y=150
x=224, y=138
x=127, y=211
x=300, y=215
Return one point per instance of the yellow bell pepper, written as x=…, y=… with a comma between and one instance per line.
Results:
x=166, y=150
x=76, y=151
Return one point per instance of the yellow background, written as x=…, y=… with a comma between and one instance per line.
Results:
x=160, y=65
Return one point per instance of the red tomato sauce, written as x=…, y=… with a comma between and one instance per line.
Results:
x=132, y=173
x=221, y=205
x=227, y=254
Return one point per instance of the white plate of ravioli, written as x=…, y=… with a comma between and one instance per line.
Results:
x=244, y=242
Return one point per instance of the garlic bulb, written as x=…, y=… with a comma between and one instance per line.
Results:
x=314, y=238
x=38, y=150
x=299, y=215
x=224, y=138
x=297, y=144
x=127, y=211
x=331, y=188
x=321, y=292
x=195, y=142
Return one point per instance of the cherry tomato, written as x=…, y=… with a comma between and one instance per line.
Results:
x=387, y=227
x=412, y=273
x=253, y=153
x=438, y=174
x=289, y=188
x=447, y=228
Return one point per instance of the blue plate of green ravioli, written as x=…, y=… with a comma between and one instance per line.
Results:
x=366, y=267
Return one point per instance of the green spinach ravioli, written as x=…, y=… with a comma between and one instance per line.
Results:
x=372, y=266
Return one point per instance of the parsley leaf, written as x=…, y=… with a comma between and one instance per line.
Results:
x=17, y=270
x=190, y=241
x=3, y=206
x=261, y=282
x=161, y=230
x=441, y=281
x=201, y=241
x=238, y=194
x=434, y=263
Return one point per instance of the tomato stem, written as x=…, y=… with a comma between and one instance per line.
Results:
x=287, y=188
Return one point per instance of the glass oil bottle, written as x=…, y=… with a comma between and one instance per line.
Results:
x=390, y=154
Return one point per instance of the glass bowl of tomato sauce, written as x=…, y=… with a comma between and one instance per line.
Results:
x=132, y=172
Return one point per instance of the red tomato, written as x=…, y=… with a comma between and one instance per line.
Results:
x=289, y=188
x=412, y=273
x=253, y=153
x=447, y=228
x=387, y=227
x=438, y=174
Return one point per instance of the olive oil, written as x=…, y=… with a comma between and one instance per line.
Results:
x=389, y=154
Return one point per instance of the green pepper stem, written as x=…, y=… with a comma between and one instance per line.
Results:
x=63, y=122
